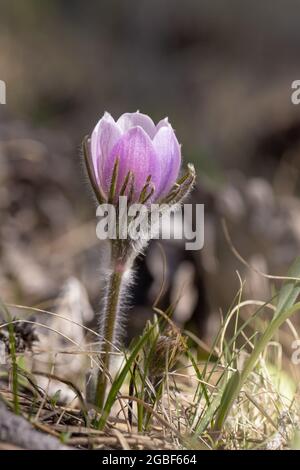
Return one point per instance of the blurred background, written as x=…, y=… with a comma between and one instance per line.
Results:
x=221, y=71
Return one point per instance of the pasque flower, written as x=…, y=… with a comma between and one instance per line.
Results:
x=130, y=157
x=148, y=155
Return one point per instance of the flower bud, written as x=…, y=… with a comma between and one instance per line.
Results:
x=133, y=157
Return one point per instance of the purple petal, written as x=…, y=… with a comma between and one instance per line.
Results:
x=163, y=123
x=104, y=137
x=129, y=120
x=168, y=152
x=136, y=153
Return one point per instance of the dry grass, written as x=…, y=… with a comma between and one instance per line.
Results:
x=163, y=404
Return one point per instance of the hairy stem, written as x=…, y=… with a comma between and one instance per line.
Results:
x=110, y=321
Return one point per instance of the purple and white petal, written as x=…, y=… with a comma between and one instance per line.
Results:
x=169, y=155
x=163, y=123
x=104, y=137
x=136, y=153
x=129, y=120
